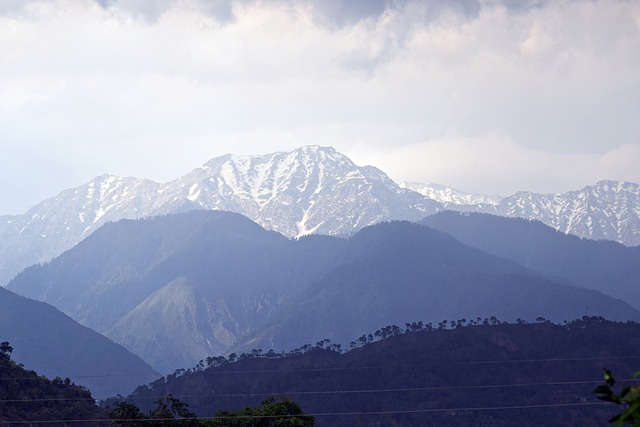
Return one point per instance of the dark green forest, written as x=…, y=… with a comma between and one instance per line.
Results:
x=476, y=372
x=28, y=399
x=463, y=372
x=26, y=396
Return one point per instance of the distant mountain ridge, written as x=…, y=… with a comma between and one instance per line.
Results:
x=607, y=210
x=450, y=197
x=178, y=288
x=603, y=265
x=308, y=190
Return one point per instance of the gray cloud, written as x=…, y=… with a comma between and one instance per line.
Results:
x=333, y=13
x=151, y=11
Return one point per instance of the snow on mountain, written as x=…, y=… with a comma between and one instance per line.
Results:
x=608, y=210
x=57, y=224
x=450, y=196
x=308, y=190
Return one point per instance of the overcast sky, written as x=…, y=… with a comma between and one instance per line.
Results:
x=485, y=96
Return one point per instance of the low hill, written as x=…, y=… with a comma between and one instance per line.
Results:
x=483, y=374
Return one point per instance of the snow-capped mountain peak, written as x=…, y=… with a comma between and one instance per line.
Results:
x=308, y=190
x=607, y=210
x=451, y=196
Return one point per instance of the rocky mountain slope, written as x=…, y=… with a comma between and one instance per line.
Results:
x=178, y=288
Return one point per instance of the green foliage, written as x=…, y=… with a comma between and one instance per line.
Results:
x=274, y=412
x=628, y=400
x=5, y=352
x=168, y=412
x=28, y=397
x=172, y=412
x=127, y=414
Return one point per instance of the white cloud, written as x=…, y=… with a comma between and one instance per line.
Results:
x=493, y=163
x=153, y=88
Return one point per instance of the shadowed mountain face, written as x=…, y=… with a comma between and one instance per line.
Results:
x=179, y=288
x=604, y=266
x=53, y=344
x=393, y=272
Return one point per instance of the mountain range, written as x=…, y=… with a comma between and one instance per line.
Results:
x=274, y=251
x=308, y=190
x=175, y=289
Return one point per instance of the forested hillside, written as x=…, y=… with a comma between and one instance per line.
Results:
x=26, y=396
x=478, y=372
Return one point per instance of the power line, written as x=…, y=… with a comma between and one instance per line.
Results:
x=326, y=414
x=348, y=368
x=312, y=392
x=480, y=408
x=393, y=390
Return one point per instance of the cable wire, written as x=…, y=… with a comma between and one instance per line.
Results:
x=348, y=368
x=321, y=392
x=326, y=414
